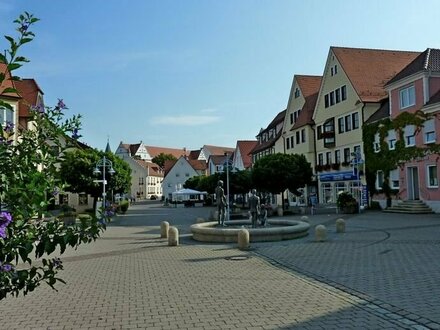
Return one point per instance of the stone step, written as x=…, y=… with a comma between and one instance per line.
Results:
x=410, y=207
x=408, y=211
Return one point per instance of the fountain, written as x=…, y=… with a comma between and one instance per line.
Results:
x=275, y=230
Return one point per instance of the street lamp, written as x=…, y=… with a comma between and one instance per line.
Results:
x=104, y=162
x=227, y=183
x=357, y=162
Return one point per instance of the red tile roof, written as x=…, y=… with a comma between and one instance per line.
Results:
x=245, y=148
x=370, y=69
x=216, y=150
x=429, y=60
x=309, y=86
x=29, y=90
x=198, y=165
x=7, y=82
x=155, y=151
x=153, y=169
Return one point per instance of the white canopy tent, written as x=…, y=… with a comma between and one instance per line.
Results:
x=188, y=195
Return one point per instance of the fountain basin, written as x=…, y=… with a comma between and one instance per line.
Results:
x=277, y=230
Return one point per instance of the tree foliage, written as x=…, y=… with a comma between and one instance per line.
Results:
x=277, y=172
x=77, y=168
x=29, y=181
x=161, y=158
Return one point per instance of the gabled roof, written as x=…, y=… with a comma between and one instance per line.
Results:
x=217, y=159
x=429, y=60
x=279, y=118
x=434, y=99
x=216, y=150
x=7, y=82
x=309, y=86
x=194, y=154
x=245, y=148
x=381, y=113
x=267, y=144
x=198, y=165
x=155, y=151
x=29, y=90
x=153, y=169
x=370, y=69
x=168, y=165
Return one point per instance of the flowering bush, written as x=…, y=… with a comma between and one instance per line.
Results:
x=28, y=183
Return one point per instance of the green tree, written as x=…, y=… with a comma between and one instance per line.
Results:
x=29, y=181
x=77, y=168
x=277, y=172
x=161, y=158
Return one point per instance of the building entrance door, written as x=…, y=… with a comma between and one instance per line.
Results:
x=413, y=182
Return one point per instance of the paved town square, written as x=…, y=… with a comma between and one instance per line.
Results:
x=380, y=274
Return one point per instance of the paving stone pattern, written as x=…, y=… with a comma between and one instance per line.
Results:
x=380, y=274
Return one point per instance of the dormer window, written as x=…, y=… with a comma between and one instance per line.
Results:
x=407, y=97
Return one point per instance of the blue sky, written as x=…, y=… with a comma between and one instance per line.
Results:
x=185, y=73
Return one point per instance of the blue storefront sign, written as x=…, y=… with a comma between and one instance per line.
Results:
x=364, y=200
x=338, y=176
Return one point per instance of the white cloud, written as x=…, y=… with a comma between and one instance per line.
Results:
x=185, y=120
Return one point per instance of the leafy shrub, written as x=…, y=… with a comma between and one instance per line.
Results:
x=124, y=206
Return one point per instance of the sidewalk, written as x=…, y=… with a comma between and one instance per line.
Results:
x=380, y=274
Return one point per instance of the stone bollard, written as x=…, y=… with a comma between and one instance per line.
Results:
x=280, y=211
x=164, y=227
x=340, y=225
x=243, y=239
x=173, y=236
x=200, y=220
x=305, y=218
x=320, y=233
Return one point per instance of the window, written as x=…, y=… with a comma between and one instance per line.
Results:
x=297, y=93
x=298, y=141
x=344, y=93
x=429, y=131
x=336, y=69
x=331, y=71
x=379, y=179
x=332, y=98
x=329, y=131
x=391, y=138
x=291, y=141
x=337, y=156
x=288, y=143
x=341, y=125
x=291, y=118
x=347, y=123
x=296, y=114
x=355, y=120
x=376, y=143
x=320, y=159
x=407, y=97
x=410, y=139
x=326, y=100
x=303, y=135
x=338, y=95
x=346, y=155
x=394, y=179
x=328, y=157
x=6, y=115
x=82, y=199
x=432, y=176
x=357, y=151
x=319, y=132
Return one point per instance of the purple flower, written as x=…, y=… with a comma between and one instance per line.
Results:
x=57, y=263
x=60, y=105
x=75, y=134
x=9, y=127
x=5, y=220
x=5, y=268
x=23, y=28
x=37, y=108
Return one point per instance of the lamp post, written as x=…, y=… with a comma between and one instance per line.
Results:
x=227, y=183
x=104, y=162
x=357, y=161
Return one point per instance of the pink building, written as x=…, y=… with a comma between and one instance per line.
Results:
x=417, y=87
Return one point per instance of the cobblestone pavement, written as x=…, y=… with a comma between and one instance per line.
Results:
x=380, y=274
